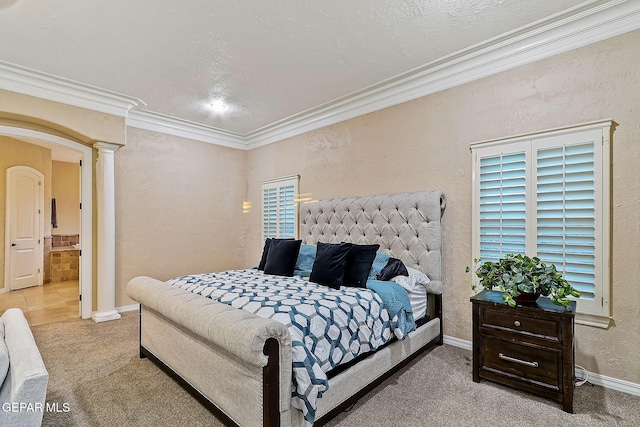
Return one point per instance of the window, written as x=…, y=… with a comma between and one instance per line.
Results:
x=547, y=195
x=279, y=207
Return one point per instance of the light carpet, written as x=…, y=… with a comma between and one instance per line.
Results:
x=98, y=379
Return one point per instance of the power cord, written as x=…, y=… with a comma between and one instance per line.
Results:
x=583, y=378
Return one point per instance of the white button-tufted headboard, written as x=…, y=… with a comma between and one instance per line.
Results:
x=405, y=225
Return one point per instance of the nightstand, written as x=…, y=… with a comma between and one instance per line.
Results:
x=528, y=347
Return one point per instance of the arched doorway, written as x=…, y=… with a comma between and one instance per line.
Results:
x=86, y=197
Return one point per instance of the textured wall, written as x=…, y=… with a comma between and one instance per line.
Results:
x=424, y=144
x=178, y=208
x=77, y=122
x=65, y=187
x=17, y=153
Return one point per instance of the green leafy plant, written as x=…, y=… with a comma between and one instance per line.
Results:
x=514, y=274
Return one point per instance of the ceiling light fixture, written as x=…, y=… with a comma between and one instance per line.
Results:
x=219, y=106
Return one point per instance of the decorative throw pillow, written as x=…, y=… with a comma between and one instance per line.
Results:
x=302, y=273
x=265, y=252
x=415, y=278
x=328, y=268
x=359, y=261
x=378, y=264
x=394, y=268
x=281, y=257
x=306, y=257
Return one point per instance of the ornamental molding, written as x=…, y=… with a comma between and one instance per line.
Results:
x=560, y=33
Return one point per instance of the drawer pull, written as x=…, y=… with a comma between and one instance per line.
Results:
x=522, y=362
x=517, y=323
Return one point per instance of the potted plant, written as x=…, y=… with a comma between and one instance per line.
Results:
x=523, y=279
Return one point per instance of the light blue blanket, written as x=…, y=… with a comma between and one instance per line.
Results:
x=396, y=301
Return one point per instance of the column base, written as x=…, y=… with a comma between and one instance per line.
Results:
x=105, y=316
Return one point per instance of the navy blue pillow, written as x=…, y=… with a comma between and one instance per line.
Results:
x=394, y=268
x=359, y=261
x=265, y=252
x=329, y=266
x=282, y=256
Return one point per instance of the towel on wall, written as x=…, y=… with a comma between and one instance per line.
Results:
x=54, y=213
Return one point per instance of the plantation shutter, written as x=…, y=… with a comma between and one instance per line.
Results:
x=279, y=208
x=502, y=205
x=566, y=213
x=547, y=195
x=286, y=219
x=270, y=213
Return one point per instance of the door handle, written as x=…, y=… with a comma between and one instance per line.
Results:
x=15, y=244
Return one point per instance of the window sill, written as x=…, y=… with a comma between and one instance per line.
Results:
x=593, y=320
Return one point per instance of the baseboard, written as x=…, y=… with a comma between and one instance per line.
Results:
x=125, y=308
x=457, y=342
x=595, y=379
x=614, y=383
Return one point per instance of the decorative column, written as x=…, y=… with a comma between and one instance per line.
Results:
x=105, y=186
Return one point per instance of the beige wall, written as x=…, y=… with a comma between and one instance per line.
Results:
x=65, y=187
x=178, y=208
x=179, y=202
x=78, y=123
x=424, y=144
x=17, y=153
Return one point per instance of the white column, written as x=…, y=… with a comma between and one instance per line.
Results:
x=105, y=186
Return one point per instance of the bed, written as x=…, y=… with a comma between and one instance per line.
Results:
x=240, y=365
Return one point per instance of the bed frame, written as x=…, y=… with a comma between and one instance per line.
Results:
x=239, y=365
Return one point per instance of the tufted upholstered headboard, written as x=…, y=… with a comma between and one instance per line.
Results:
x=405, y=225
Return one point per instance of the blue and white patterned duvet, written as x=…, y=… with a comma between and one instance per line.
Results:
x=328, y=327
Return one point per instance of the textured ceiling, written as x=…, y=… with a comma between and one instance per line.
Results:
x=269, y=59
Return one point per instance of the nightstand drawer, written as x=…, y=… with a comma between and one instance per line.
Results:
x=528, y=347
x=525, y=361
x=545, y=329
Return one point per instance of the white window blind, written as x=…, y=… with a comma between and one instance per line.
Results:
x=502, y=205
x=547, y=195
x=279, y=208
x=566, y=217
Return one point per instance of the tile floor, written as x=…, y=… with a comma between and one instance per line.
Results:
x=49, y=303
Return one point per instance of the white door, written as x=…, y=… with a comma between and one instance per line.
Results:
x=24, y=227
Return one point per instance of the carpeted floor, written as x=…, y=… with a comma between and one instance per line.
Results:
x=97, y=379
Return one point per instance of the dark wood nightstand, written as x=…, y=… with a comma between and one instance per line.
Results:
x=530, y=347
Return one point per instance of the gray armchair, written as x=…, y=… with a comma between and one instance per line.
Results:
x=24, y=390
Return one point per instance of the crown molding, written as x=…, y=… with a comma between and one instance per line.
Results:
x=178, y=127
x=16, y=78
x=580, y=26
x=577, y=27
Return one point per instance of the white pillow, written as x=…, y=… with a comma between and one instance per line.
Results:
x=416, y=277
x=4, y=355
